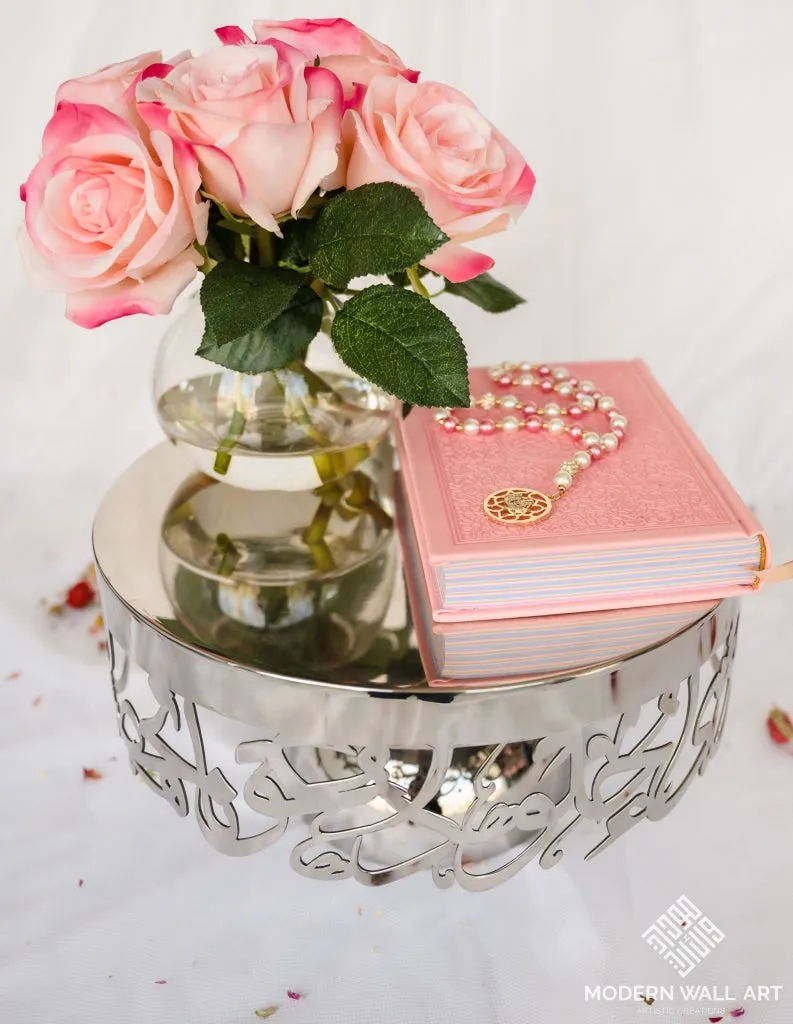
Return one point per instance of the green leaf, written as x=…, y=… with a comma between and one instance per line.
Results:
x=375, y=229
x=404, y=344
x=238, y=298
x=487, y=293
x=273, y=345
x=295, y=247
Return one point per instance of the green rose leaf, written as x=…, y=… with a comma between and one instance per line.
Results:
x=375, y=229
x=273, y=343
x=404, y=344
x=295, y=246
x=238, y=298
x=487, y=293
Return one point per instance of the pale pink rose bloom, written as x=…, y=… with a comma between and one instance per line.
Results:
x=432, y=139
x=112, y=87
x=351, y=54
x=110, y=220
x=266, y=128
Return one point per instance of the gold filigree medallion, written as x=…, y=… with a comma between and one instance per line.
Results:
x=518, y=505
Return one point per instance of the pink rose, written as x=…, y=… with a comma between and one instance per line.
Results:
x=112, y=87
x=266, y=128
x=350, y=53
x=431, y=138
x=110, y=221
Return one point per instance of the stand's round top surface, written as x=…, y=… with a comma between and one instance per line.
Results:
x=127, y=542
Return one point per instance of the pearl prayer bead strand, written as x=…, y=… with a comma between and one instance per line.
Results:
x=580, y=398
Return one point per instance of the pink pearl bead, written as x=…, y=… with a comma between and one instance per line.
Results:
x=534, y=424
x=580, y=395
x=505, y=380
x=529, y=408
x=450, y=424
x=575, y=411
x=544, y=371
x=618, y=432
x=596, y=395
x=595, y=452
x=487, y=427
x=612, y=413
x=576, y=432
x=546, y=384
x=573, y=382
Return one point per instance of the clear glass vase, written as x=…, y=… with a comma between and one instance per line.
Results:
x=287, y=430
x=280, y=549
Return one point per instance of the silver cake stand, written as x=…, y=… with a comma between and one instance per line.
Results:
x=368, y=772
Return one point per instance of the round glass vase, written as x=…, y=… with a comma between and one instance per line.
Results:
x=287, y=430
x=280, y=548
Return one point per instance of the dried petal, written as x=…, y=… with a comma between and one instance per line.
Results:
x=80, y=595
x=80, y=883
x=10, y=676
x=268, y=1011
x=91, y=774
x=36, y=701
x=294, y=995
x=162, y=981
x=780, y=727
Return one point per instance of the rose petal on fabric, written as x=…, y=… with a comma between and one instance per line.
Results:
x=457, y=263
x=96, y=306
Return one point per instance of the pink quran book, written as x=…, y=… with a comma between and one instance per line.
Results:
x=653, y=523
x=498, y=651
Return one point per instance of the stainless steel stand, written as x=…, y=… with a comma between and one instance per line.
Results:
x=380, y=774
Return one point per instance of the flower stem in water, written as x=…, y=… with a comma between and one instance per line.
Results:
x=233, y=434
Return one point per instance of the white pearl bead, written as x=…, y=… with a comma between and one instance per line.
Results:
x=560, y=373
x=525, y=367
x=619, y=421
x=564, y=389
x=610, y=442
x=509, y=401
x=587, y=403
x=471, y=426
x=563, y=479
x=552, y=409
x=526, y=380
x=586, y=386
x=510, y=423
x=605, y=403
x=495, y=372
x=590, y=438
x=583, y=459
x=441, y=414
x=555, y=426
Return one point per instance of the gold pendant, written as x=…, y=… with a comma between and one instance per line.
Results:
x=518, y=505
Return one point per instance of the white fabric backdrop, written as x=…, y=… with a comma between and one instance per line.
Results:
x=661, y=226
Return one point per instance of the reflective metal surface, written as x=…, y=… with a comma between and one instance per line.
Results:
x=392, y=774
